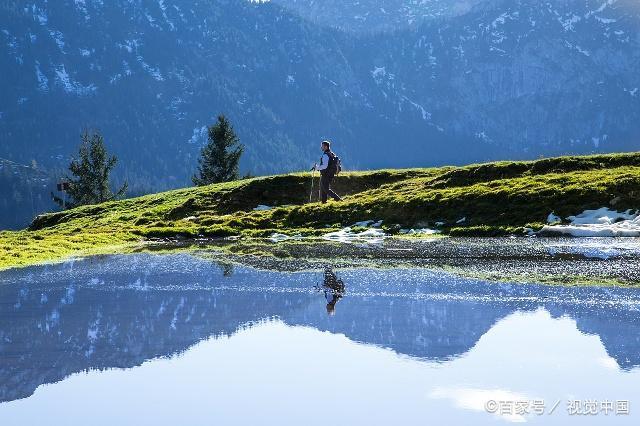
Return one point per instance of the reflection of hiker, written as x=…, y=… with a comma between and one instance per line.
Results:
x=329, y=167
x=333, y=290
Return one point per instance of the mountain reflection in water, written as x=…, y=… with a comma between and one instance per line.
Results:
x=120, y=311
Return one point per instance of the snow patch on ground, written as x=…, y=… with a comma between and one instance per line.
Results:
x=346, y=235
x=262, y=207
x=553, y=219
x=602, y=222
x=277, y=238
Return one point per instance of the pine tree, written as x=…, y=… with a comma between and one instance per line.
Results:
x=219, y=158
x=91, y=170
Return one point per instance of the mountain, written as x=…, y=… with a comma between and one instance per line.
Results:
x=425, y=83
x=371, y=16
x=151, y=75
x=530, y=80
x=24, y=192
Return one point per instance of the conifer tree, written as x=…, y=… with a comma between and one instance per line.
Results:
x=91, y=170
x=219, y=158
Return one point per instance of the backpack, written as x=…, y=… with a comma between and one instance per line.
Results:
x=334, y=163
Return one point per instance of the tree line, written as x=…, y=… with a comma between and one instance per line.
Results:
x=90, y=170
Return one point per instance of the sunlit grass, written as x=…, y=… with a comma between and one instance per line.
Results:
x=495, y=198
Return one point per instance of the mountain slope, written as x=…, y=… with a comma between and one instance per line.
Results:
x=371, y=16
x=152, y=74
x=526, y=79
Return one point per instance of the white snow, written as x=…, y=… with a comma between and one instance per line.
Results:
x=276, y=238
x=581, y=50
x=569, y=24
x=81, y=5
x=602, y=7
x=58, y=38
x=603, y=216
x=379, y=72
x=426, y=115
x=39, y=15
x=70, y=86
x=483, y=137
x=154, y=72
x=602, y=222
x=92, y=333
x=130, y=45
x=463, y=220
x=606, y=20
x=199, y=135
x=552, y=218
x=500, y=20
x=43, y=81
x=346, y=235
x=262, y=207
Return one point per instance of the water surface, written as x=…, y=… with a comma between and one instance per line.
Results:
x=179, y=339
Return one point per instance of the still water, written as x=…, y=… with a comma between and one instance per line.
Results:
x=179, y=339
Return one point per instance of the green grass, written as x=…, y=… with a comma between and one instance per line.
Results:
x=496, y=198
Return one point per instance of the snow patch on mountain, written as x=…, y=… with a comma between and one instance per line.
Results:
x=71, y=86
x=569, y=24
x=633, y=92
x=379, y=73
x=81, y=6
x=39, y=15
x=153, y=72
x=58, y=38
x=199, y=135
x=43, y=81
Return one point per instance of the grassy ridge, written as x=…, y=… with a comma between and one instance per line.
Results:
x=495, y=198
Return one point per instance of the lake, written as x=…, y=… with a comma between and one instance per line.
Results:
x=168, y=339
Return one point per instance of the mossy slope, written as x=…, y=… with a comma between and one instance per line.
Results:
x=494, y=197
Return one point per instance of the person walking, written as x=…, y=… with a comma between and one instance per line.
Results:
x=329, y=167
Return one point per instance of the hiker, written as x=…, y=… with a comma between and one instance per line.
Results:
x=329, y=167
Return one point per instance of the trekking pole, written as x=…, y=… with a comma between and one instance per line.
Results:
x=313, y=172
